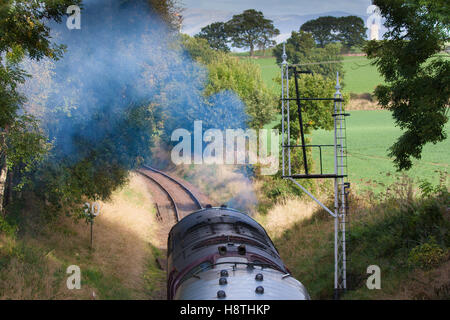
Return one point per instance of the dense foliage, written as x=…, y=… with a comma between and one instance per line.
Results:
x=249, y=29
x=399, y=231
x=417, y=89
x=348, y=30
x=217, y=36
x=23, y=33
x=302, y=49
x=99, y=128
x=226, y=72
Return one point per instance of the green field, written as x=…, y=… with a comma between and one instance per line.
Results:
x=269, y=70
x=359, y=75
x=369, y=135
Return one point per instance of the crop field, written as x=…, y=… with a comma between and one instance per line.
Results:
x=369, y=135
x=270, y=70
x=359, y=75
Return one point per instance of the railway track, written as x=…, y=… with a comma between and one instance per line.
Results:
x=175, y=196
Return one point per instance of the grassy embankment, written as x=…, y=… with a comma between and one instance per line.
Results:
x=122, y=265
x=405, y=233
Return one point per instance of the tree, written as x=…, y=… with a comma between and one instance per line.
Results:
x=301, y=49
x=417, y=90
x=25, y=147
x=24, y=30
x=217, y=36
x=266, y=41
x=103, y=120
x=96, y=139
x=349, y=30
x=249, y=29
x=227, y=73
x=321, y=29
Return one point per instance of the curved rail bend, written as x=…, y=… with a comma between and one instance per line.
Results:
x=174, y=204
x=189, y=192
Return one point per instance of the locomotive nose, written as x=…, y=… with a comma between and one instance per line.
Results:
x=221, y=253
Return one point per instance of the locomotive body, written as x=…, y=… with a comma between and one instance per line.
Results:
x=221, y=253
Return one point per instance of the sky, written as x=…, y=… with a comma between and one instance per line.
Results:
x=287, y=15
x=282, y=7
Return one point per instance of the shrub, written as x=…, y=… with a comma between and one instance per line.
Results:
x=276, y=188
x=7, y=228
x=427, y=255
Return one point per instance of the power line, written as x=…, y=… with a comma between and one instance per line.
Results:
x=326, y=62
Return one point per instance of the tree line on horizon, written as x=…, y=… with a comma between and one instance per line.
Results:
x=251, y=30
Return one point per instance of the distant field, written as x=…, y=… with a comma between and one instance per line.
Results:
x=269, y=70
x=359, y=77
x=257, y=53
x=369, y=135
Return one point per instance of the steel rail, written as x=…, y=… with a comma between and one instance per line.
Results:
x=189, y=192
x=172, y=200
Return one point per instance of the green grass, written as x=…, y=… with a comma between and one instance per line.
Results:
x=154, y=277
x=360, y=76
x=257, y=53
x=269, y=71
x=369, y=135
x=133, y=195
x=109, y=287
x=382, y=233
